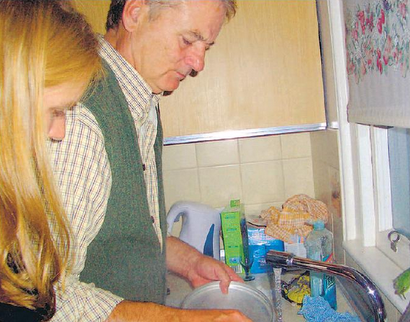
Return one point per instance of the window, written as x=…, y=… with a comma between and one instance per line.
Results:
x=375, y=151
x=399, y=156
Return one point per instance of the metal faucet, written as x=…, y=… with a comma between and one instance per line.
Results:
x=288, y=260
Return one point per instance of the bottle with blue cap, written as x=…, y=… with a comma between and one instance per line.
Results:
x=319, y=246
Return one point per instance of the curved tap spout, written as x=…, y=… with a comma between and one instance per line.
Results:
x=288, y=260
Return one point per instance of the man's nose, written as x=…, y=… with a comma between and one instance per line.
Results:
x=196, y=59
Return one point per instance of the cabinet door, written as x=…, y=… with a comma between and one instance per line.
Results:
x=264, y=71
x=95, y=12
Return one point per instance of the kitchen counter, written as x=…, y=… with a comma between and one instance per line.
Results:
x=180, y=288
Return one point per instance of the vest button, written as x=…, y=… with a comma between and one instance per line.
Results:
x=143, y=167
x=153, y=219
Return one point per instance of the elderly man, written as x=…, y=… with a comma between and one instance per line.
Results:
x=109, y=168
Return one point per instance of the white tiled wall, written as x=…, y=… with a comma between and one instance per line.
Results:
x=262, y=172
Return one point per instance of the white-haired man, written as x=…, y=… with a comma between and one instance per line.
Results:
x=110, y=174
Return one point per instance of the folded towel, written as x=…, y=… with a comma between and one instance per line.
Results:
x=294, y=217
x=317, y=309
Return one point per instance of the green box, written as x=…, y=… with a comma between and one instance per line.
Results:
x=231, y=233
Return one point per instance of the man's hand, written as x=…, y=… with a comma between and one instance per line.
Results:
x=197, y=268
x=206, y=269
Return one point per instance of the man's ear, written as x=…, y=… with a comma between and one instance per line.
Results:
x=131, y=13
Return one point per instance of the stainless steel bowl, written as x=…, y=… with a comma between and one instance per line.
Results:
x=250, y=301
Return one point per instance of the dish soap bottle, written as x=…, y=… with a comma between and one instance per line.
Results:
x=319, y=246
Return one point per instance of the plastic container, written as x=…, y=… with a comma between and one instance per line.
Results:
x=319, y=246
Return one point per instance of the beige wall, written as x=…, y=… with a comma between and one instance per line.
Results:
x=262, y=172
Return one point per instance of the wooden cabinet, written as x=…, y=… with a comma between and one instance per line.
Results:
x=95, y=12
x=264, y=71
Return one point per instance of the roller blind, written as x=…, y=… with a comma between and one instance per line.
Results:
x=377, y=58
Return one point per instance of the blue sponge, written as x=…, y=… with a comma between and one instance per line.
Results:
x=317, y=309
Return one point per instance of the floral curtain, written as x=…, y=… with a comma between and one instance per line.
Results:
x=377, y=57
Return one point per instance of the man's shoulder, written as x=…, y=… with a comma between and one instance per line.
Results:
x=105, y=91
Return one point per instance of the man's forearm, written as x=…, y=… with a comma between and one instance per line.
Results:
x=141, y=311
x=180, y=256
x=128, y=311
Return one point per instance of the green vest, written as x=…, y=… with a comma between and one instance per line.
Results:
x=125, y=257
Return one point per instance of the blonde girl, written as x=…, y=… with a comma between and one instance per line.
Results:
x=48, y=57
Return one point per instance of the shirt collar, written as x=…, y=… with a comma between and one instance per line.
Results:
x=137, y=92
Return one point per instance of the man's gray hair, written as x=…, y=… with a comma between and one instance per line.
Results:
x=117, y=7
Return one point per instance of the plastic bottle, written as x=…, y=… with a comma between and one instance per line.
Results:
x=319, y=246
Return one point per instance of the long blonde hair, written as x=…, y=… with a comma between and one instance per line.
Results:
x=43, y=43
